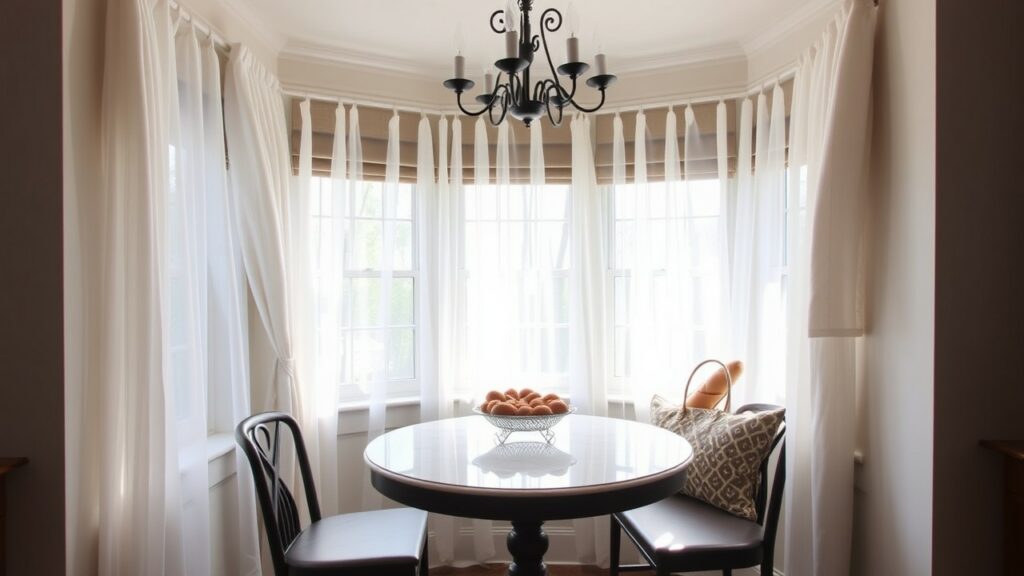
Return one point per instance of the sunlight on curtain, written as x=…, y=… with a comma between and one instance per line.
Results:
x=759, y=271
x=670, y=256
x=829, y=149
x=318, y=263
x=228, y=338
x=168, y=289
x=588, y=359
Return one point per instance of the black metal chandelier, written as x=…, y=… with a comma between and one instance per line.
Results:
x=516, y=95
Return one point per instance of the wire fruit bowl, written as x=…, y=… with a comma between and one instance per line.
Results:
x=506, y=425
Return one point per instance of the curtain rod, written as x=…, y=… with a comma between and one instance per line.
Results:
x=203, y=27
x=345, y=99
x=753, y=88
x=761, y=85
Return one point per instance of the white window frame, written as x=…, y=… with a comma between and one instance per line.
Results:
x=352, y=392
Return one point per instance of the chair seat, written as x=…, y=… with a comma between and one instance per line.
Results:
x=682, y=533
x=379, y=539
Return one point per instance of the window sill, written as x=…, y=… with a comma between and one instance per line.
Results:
x=359, y=405
x=218, y=445
x=220, y=448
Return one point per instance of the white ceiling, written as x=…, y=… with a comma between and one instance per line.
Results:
x=419, y=35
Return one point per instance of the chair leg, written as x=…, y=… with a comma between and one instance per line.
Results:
x=425, y=558
x=727, y=572
x=613, y=552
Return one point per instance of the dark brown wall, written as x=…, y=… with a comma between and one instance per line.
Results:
x=31, y=292
x=979, y=321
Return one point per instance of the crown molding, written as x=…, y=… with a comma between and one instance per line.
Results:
x=808, y=13
x=261, y=28
x=682, y=58
x=387, y=63
x=357, y=59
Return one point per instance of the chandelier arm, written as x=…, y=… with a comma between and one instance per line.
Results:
x=504, y=110
x=458, y=100
x=515, y=89
x=549, y=23
x=589, y=110
x=547, y=105
x=570, y=95
x=500, y=16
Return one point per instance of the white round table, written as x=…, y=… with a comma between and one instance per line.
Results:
x=593, y=466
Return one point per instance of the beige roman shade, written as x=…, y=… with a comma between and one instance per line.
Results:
x=373, y=123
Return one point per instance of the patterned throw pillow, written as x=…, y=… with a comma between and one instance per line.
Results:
x=727, y=452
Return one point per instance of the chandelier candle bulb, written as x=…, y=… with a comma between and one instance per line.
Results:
x=602, y=66
x=488, y=83
x=572, y=49
x=460, y=66
x=511, y=44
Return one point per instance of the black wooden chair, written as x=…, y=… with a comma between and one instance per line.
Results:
x=383, y=543
x=683, y=534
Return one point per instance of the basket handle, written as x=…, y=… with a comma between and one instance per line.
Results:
x=728, y=379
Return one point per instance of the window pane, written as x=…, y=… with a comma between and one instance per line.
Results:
x=402, y=302
x=625, y=196
x=365, y=298
x=367, y=357
x=658, y=243
x=367, y=243
x=403, y=246
x=621, y=301
x=704, y=197
x=516, y=205
x=553, y=246
x=561, y=300
x=704, y=241
x=621, y=351
x=553, y=202
x=624, y=245
x=402, y=357
x=481, y=202
x=368, y=200
x=404, y=208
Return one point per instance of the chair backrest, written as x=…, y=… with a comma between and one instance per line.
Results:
x=769, y=506
x=260, y=437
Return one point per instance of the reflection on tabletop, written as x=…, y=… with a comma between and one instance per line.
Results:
x=533, y=459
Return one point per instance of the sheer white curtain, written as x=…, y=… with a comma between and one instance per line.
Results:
x=187, y=287
x=440, y=218
x=588, y=353
x=644, y=361
x=386, y=267
x=318, y=261
x=451, y=329
x=228, y=336
x=830, y=142
x=167, y=324
x=276, y=269
x=757, y=292
x=671, y=239
x=257, y=138
x=427, y=302
x=136, y=460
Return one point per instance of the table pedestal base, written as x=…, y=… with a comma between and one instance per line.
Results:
x=527, y=542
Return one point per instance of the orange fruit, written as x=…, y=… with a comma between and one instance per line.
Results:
x=503, y=409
